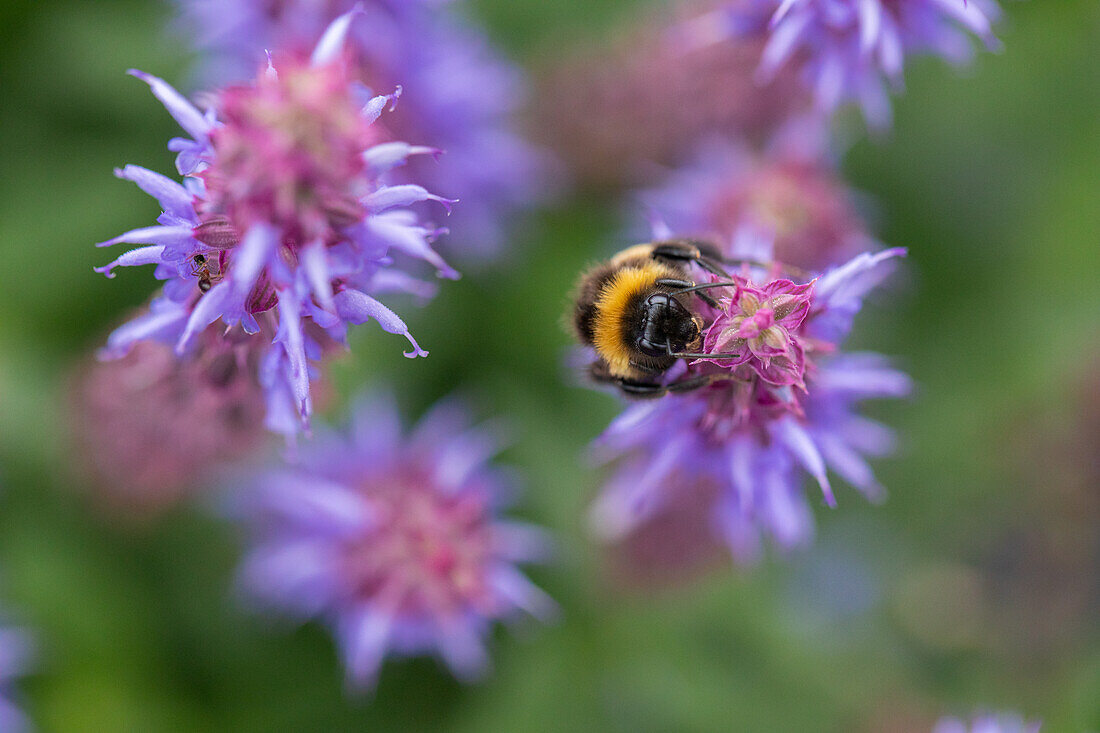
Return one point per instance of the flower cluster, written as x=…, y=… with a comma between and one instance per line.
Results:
x=152, y=426
x=613, y=115
x=1000, y=723
x=852, y=50
x=791, y=190
x=461, y=95
x=394, y=541
x=781, y=402
x=15, y=658
x=284, y=217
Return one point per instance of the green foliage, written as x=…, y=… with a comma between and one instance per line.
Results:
x=990, y=181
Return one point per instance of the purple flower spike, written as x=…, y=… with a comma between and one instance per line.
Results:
x=782, y=404
x=283, y=221
x=394, y=541
x=852, y=50
x=995, y=723
x=462, y=96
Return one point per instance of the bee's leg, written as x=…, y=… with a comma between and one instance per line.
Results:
x=646, y=390
x=670, y=282
x=687, y=251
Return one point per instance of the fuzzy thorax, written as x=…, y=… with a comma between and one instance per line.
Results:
x=615, y=306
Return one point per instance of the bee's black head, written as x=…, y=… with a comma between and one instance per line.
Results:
x=669, y=327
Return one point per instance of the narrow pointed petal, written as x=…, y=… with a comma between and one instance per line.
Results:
x=803, y=448
x=402, y=196
x=173, y=198
x=358, y=307
x=256, y=250
x=151, y=255
x=185, y=113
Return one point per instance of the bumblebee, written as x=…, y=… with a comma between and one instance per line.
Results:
x=638, y=312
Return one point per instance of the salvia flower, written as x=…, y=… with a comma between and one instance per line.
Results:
x=461, y=96
x=285, y=217
x=15, y=659
x=792, y=190
x=854, y=50
x=782, y=406
x=394, y=541
x=760, y=326
x=994, y=723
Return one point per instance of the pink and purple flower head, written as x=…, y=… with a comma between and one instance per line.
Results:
x=792, y=190
x=394, y=541
x=16, y=652
x=990, y=723
x=614, y=115
x=461, y=95
x=152, y=427
x=852, y=50
x=285, y=217
x=782, y=404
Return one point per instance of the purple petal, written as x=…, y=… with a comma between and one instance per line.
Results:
x=174, y=237
x=802, y=446
x=185, y=113
x=365, y=634
x=398, y=229
x=315, y=266
x=375, y=105
x=520, y=592
x=256, y=250
x=294, y=573
x=330, y=46
x=162, y=323
x=152, y=255
x=386, y=156
x=210, y=307
x=403, y=195
x=463, y=651
x=854, y=278
x=173, y=197
x=358, y=307
x=291, y=338
x=326, y=507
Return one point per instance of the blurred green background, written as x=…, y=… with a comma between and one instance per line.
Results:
x=975, y=584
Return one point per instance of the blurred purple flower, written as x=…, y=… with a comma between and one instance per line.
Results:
x=754, y=435
x=461, y=95
x=284, y=217
x=611, y=114
x=851, y=50
x=16, y=650
x=152, y=426
x=791, y=190
x=996, y=723
x=394, y=541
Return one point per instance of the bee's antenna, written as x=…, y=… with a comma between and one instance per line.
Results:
x=687, y=355
x=705, y=286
